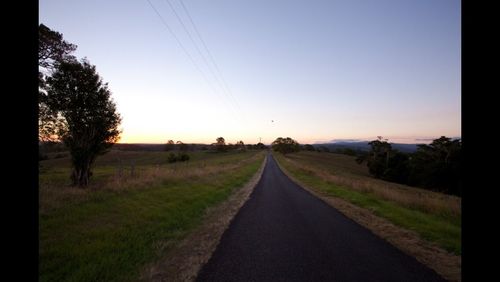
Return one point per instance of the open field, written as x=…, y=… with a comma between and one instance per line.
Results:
x=124, y=221
x=433, y=216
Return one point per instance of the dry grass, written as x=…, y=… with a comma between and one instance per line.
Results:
x=114, y=228
x=445, y=264
x=185, y=261
x=423, y=224
x=55, y=193
x=427, y=201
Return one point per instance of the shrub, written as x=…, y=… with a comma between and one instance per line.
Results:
x=171, y=158
x=182, y=157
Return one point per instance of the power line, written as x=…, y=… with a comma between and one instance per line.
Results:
x=173, y=34
x=183, y=48
x=195, y=45
x=208, y=52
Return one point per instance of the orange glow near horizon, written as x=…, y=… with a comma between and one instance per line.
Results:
x=391, y=70
x=268, y=139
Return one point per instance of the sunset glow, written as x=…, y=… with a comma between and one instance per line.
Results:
x=312, y=70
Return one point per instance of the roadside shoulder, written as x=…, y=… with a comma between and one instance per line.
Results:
x=185, y=261
x=445, y=264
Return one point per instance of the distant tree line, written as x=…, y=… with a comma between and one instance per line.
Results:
x=219, y=146
x=436, y=166
x=323, y=148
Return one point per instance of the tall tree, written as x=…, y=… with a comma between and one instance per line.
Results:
x=52, y=50
x=438, y=165
x=378, y=158
x=76, y=93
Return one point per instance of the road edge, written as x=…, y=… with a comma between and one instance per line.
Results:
x=445, y=264
x=186, y=260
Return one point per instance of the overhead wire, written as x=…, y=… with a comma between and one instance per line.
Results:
x=179, y=19
x=185, y=50
x=222, y=85
x=226, y=87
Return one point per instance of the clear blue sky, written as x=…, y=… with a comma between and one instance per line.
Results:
x=321, y=70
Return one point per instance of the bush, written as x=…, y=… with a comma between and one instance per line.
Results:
x=180, y=157
x=171, y=158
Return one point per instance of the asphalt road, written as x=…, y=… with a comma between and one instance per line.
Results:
x=283, y=233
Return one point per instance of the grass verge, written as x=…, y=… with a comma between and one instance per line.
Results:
x=443, y=229
x=110, y=231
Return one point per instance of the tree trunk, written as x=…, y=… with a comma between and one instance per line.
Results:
x=81, y=175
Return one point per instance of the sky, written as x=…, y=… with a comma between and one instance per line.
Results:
x=312, y=70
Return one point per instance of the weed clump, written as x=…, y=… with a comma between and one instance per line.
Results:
x=180, y=157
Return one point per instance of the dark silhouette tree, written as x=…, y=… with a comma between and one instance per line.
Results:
x=52, y=50
x=378, y=158
x=285, y=145
x=240, y=145
x=76, y=93
x=170, y=145
x=182, y=146
x=397, y=169
x=220, y=144
x=437, y=166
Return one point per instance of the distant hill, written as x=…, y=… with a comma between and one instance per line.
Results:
x=363, y=146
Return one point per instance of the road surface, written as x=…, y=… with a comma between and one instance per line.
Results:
x=283, y=233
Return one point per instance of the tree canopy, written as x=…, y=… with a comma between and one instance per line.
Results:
x=285, y=145
x=435, y=166
x=220, y=144
x=52, y=50
x=75, y=106
x=76, y=93
x=438, y=165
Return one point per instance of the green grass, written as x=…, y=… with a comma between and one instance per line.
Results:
x=442, y=229
x=110, y=236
